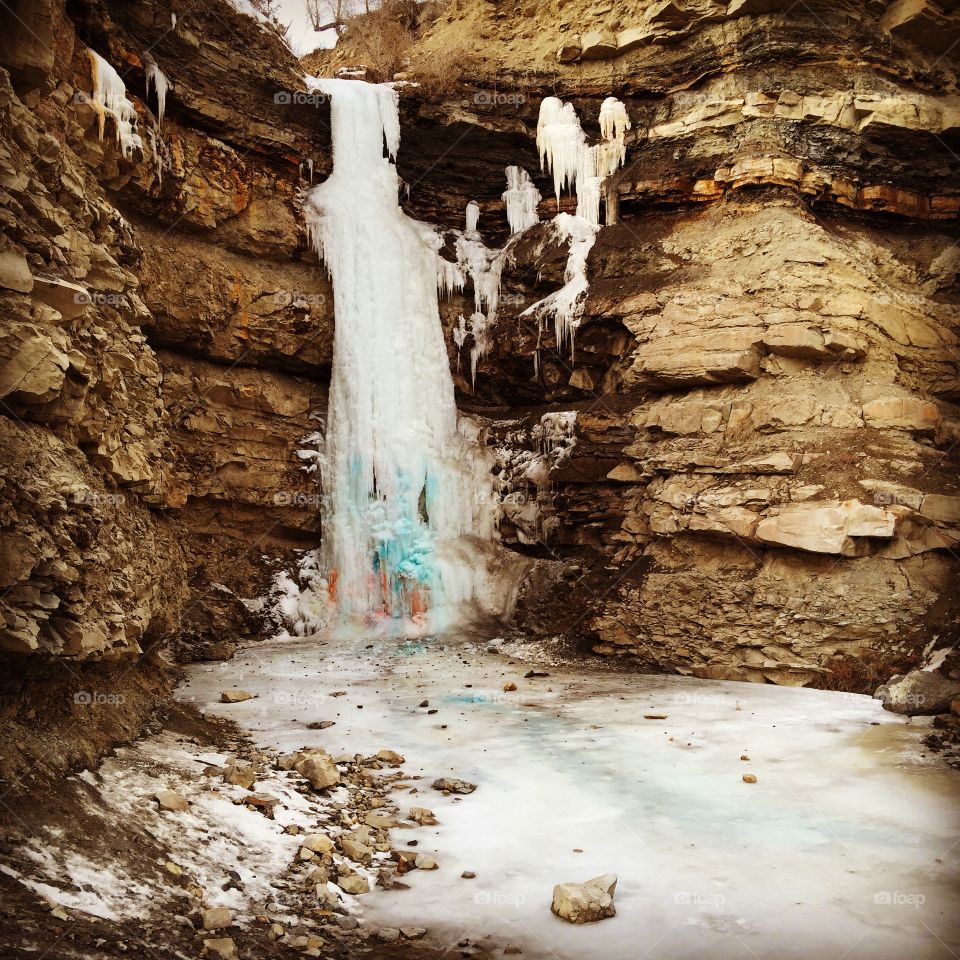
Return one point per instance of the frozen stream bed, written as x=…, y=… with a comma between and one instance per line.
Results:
x=846, y=847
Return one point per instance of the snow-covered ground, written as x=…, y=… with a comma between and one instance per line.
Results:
x=846, y=846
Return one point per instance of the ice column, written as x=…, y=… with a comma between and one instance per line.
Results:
x=402, y=487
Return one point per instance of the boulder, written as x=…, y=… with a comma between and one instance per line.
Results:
x=920, y=692
x=585, y=902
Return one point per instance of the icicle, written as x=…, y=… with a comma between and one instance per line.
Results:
x=614, y=122
x=521, y=198
x=560, y=141
x=110, y=99
x=564, y=150
x=402, y=486
x=565, y=305
x=156, y=78
x=173, y=21
x=472, y=217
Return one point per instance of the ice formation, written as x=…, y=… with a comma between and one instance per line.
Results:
x=521, y=198
x=574, y=163
x=110, y=99
x=525, y=457
x=565, y=305
x=156, y=79
x=402, y=485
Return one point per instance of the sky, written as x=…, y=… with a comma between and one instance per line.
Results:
x=301, y=35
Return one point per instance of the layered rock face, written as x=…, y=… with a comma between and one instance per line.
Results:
x=764, y=476
x=164, y=349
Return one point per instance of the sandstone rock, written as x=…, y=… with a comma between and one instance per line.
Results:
x=585, y=902
x=317, y=843
x=424, y=861
x=598, y=45
x=14, y=271
x=423, y=816
x=240, y=775
x=749, y=778
x=353, y=883
x=319, y=769
x=171, y=800
x=356, y=849
x=68, y=299
x=904, y=413
x=235, y=696
x=391, y=757
x=919, y=692
x=827, y=528
x=414, y=933
x=568, y=52
x=453, y=785
x=221, y=947
x=217, y=917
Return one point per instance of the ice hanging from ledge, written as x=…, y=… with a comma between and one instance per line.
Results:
x=574, y=163
x=110, y=99
x=521, y=198
x=403, y=489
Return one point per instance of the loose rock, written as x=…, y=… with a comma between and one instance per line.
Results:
x=217, y=917
x=585, y=902
x=452, y=785
x=171, y=800
x=235, y=696
x=223, y=947
x=423, y=816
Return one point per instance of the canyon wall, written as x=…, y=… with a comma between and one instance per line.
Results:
x=761, y=479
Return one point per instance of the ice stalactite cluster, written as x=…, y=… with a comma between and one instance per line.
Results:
x=565, y=306
x=575, y=164
x=521, y=198
x=405, y=486
x=110, y=99
x=525, y=457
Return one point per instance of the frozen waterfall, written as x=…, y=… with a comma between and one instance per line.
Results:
x=407, y=495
